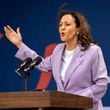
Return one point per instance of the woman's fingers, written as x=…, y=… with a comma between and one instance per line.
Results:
x=18, y=32
x=9, y=28
x=13, y=36
x=7, y=31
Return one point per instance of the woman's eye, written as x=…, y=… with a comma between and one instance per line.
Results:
x=67, y=24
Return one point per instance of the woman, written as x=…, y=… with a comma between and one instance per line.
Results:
x=77, y=64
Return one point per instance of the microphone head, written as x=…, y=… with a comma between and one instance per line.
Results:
x=28, y=60
x=35, y=62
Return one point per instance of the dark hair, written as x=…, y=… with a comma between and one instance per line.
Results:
x=84, y=36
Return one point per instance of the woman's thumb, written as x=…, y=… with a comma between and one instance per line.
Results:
x=18, y=30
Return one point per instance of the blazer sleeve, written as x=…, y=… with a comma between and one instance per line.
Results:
x=25, y=52
x=99, y=76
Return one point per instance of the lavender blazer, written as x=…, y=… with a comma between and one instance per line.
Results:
x=85, y=76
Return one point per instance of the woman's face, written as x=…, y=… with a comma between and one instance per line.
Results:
x=67, y=28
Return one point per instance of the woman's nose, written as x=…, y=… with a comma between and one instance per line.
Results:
x=62, y=27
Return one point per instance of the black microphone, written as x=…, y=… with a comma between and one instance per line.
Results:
x=26, y=62
x=35, y=62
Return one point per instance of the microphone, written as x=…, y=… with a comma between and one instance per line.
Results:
x=26, y=62
x=35, y=62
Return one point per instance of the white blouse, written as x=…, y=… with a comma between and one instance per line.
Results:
x=66, y=59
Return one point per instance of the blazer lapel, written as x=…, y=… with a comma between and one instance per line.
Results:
x=58, y=65
x=76, y=61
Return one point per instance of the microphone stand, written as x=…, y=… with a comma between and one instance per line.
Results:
x=26, y=78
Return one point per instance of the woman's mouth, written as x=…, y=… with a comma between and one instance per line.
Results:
x=62, y=34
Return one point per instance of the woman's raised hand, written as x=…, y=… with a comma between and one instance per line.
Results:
x=13, y=36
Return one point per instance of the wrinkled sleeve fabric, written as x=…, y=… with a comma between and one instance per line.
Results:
x=99, y=74
x=24, y=51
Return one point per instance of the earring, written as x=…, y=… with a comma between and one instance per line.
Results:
x=77, y=33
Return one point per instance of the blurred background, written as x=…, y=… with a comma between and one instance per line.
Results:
x=37, y=20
